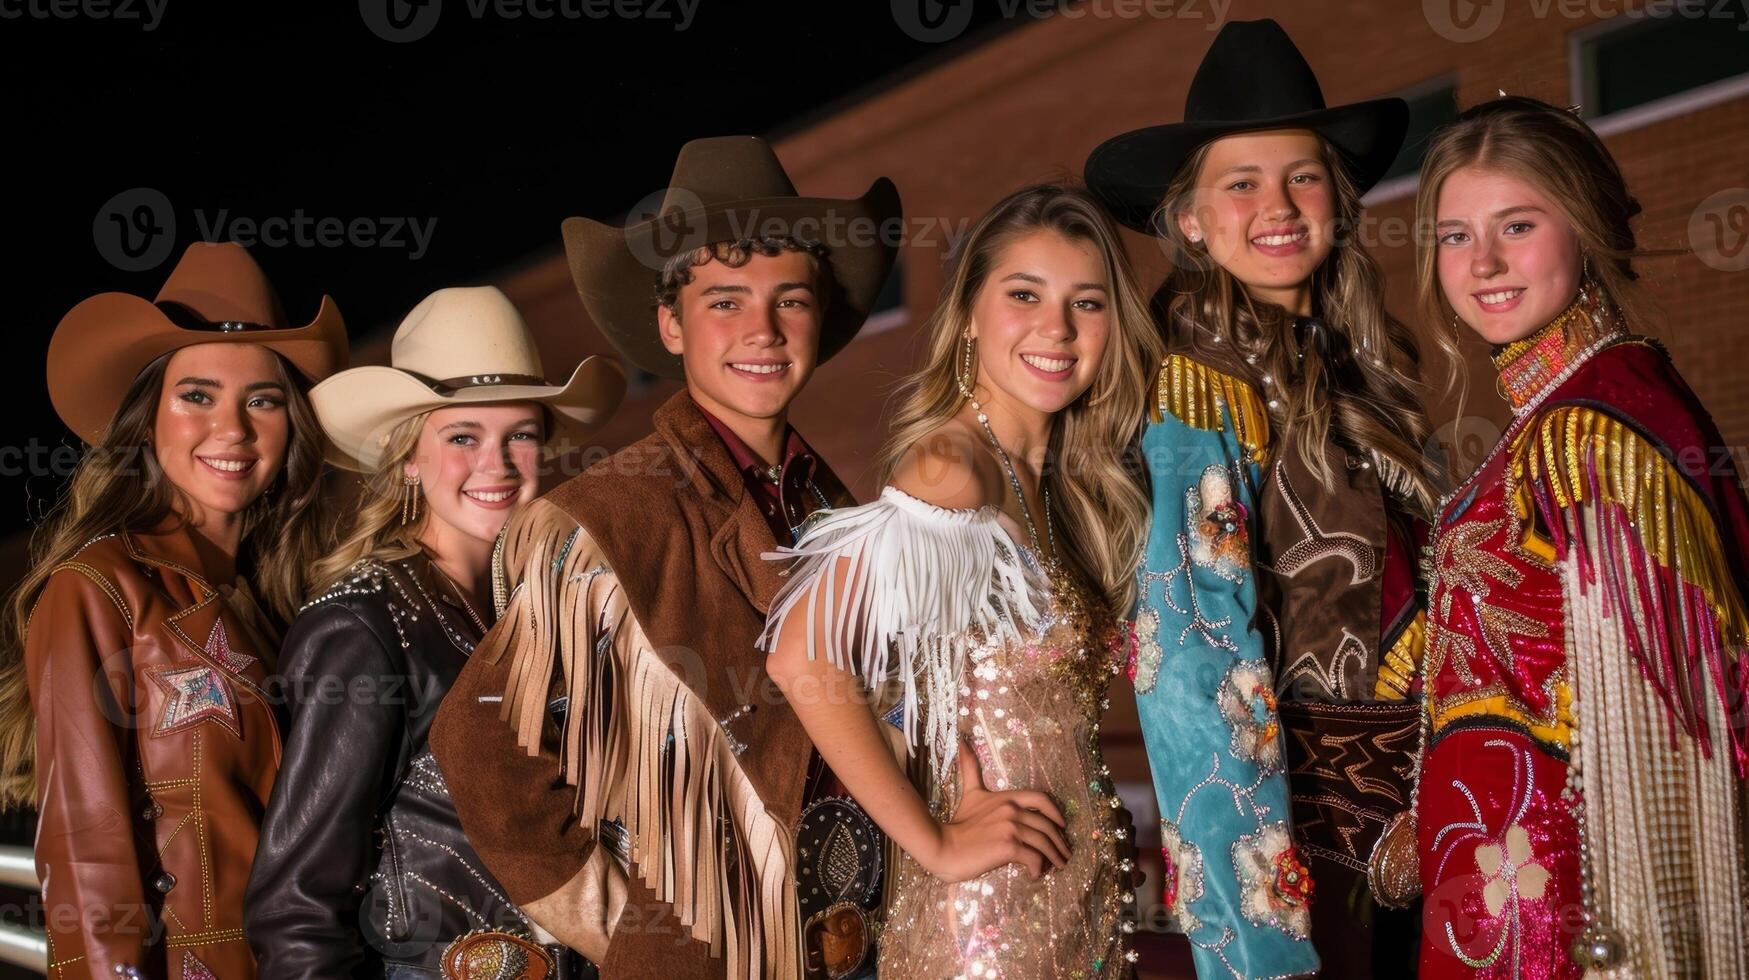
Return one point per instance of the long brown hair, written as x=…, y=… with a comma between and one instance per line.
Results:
x=1101, y=506
x=119, y=486
x=1365, y=391
x=1554, y=151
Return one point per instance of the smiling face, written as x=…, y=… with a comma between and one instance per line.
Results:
x=748, y=335
x=1264, y=209
x=1508, y=261
x=1041, y=320
x=475, y=463
x=222, y=427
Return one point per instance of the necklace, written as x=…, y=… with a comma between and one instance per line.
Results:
x=462, y=597
x=1014, y=482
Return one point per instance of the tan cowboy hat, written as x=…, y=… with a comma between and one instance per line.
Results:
x=460, y=346
x=215, y=295
x=726, y=188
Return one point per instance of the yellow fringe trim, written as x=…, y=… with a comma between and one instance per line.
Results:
x=1670, y=517
x=642, y=749
x=1398, y=666
x=1197, y=394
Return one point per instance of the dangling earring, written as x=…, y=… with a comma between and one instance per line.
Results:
x=410, y=499
x=1591, y=298
x=966, y=373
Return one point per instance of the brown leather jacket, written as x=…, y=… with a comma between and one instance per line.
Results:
x=631, y=600
x=156, y=750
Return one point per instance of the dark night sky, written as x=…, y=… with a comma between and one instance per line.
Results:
x=495, y=127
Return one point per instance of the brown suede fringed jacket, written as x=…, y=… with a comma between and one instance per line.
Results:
x=156, y=750
x=620, y=701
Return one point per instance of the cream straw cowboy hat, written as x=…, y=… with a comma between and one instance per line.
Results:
x=459, y=346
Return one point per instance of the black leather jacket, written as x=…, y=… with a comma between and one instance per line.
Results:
x=362, y=861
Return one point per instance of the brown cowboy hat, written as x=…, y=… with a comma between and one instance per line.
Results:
x=1252, y=78
x=724, y=189
x=215, y=295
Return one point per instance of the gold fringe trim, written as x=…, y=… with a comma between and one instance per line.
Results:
x=1670, y=517
x=642, y=749
x=1398, y=666
x=1197, y=394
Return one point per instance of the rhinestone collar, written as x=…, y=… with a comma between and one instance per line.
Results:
x=1529, y=366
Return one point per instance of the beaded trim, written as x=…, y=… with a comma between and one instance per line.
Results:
x=1533, y=365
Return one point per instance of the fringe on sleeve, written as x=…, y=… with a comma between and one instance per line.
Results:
x=641, y=748
x=899, y=591
x=1654, y=559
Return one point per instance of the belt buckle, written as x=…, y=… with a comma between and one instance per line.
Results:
x=838, y=862
x=492, y=954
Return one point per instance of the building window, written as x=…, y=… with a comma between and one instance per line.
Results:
x=1431, y=105
x=1630, y=61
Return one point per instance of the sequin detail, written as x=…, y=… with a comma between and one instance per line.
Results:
x=196, y=693
x=1219, y=538
x=218, y=647
x=1247, y=702
x=1275, y=888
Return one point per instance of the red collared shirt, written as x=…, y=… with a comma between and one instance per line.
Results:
x=785, y=492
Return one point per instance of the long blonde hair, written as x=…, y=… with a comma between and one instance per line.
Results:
x=1090, y=466
x=1554, y=151
x=119, y=486
x=377, y=530
x=1365, y=391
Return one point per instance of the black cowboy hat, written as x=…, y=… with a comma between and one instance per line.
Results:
x=724, y=189
x=1252, y=78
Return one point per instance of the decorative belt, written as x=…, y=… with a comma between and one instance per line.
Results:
x=838, y=863
x=1351, y=767
x=490, y=954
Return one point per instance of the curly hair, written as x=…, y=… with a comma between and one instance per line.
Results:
x=677, y=272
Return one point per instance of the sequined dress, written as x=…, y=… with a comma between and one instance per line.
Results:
x=985, y=649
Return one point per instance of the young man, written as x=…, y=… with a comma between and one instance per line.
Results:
x=618, y=756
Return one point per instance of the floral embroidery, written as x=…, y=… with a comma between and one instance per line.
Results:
x=196, y=694
x=1275, y=887
x=1247, y=701
x=1211, y=630
x=1181, y=882
x=1511, y=873
x=1219, y=539
x=1146, y=667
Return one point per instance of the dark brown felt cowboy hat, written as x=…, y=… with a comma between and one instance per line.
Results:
x=725, y=189
x=1252, y=78
x=215, y=295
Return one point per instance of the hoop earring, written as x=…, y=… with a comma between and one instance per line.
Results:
x=967, y=372
x=410, y=499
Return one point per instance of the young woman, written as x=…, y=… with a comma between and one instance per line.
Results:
x=363, y=867
x=985, y=586
x=132, y=708
x=1286, y=459
x=1579, y=805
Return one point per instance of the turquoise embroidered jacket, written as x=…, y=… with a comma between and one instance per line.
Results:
x=1234, y=882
